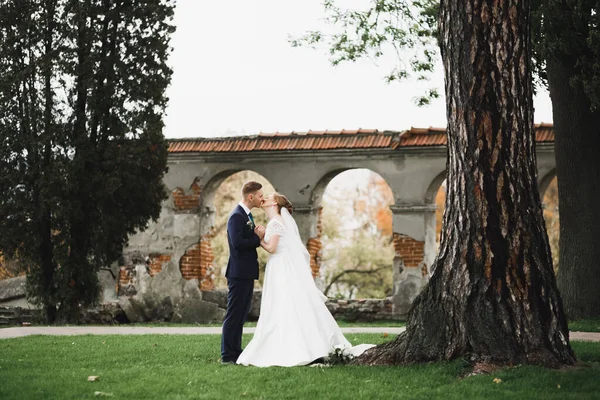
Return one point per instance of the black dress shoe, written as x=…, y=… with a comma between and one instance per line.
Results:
x=227, y=362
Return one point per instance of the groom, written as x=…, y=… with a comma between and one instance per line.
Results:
x=242, y=269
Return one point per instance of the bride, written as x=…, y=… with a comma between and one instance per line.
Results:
x=295, y=327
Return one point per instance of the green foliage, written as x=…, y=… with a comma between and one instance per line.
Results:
x=408, y=29
x=82, y=154
x=563, y=29
x=570, y=31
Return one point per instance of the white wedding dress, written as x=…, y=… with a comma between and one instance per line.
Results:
x=295, y=327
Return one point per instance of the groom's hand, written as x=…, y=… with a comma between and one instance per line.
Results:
x=260, y=231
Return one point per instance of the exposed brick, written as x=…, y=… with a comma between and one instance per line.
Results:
x=187, y=201
x=157, y=261
x=126, y=273
x=314, y=247
x=410, y=250
x=4, y=273
x=197, y=263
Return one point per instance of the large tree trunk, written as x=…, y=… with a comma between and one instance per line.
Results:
x=493, y=295
x=576, y=144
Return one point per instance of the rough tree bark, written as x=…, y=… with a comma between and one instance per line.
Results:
x=493, y=295
x=576, y=144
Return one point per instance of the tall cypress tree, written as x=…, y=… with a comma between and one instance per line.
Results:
x=82, y=154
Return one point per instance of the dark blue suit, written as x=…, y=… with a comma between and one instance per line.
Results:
x=242, y=270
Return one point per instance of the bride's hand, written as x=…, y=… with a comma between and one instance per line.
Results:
x=260, y=231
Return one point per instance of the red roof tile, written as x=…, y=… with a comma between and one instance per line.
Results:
x=418, y=137
x=544, y=132
x=328, y=140
x=311, y=140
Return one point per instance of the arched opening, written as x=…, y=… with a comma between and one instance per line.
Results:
x=225, y=198
x=551, y=216
x=436, y=195
x=357, y=250
x=440, y=202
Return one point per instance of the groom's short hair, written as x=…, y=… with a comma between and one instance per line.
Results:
x=250, y=187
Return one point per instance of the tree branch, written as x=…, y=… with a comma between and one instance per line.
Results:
x=351, y=271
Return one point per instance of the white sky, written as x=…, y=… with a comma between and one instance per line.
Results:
x=235, y=73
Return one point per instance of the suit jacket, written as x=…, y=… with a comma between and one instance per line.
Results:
x=243, y=258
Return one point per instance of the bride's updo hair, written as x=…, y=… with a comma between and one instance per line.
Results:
x=282, y=202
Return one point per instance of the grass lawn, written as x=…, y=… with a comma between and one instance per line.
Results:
x=187, y=367
x=585, y=325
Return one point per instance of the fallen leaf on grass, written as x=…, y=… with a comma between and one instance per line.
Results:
x=103, y=394
x=385, y=334
x=497, y=380
x=93, y=378
x=485, y=368
x=558, y=386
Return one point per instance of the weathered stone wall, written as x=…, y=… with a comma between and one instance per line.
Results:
x=182, y=234
x=363, y=310
x=178, y=237
x=12, y=292
x=168, y=297
x=10, y=315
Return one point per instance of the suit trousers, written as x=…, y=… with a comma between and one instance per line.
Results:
x=239, y=300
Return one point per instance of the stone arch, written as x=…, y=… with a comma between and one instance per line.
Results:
x=319, y=189
x=545, y=182
x=314, y=217
x=207, y=208
x=434, y=187
x=317, y=193
x=433, y=233
x=548, y=188
x=315, y=243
